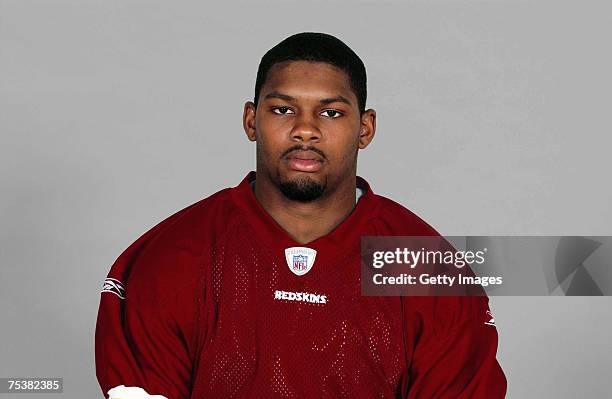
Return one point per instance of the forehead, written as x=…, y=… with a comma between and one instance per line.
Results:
x=308, y=78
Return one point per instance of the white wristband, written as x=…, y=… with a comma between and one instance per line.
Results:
x=123, y=392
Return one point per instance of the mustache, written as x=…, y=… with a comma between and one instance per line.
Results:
x=298, y=147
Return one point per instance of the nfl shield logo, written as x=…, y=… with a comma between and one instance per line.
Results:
x=300, y=259
x=299, y=262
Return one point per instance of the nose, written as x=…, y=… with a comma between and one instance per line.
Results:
x=305, y=129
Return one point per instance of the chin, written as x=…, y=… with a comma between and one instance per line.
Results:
x=302, y=188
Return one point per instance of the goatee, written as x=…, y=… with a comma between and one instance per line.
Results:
x=302, y=190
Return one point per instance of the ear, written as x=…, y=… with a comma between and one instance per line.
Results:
x=248, y=120
x=367, y=128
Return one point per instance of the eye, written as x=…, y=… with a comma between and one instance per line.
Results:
x=331, y=113
x=282, y=110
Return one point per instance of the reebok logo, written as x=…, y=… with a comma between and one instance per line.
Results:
x=114, y=286
x=490, y=320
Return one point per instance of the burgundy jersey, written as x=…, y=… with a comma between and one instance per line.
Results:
x=218, y=301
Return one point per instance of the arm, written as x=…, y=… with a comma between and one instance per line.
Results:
x=145, y=347
x=146, y=325
x=458, y=359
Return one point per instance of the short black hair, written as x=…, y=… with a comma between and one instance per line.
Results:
x=317, y=47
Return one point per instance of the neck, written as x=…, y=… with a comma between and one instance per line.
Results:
x=305, y=222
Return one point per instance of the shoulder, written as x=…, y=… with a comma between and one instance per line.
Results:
x=435, y=314
x=168, y=257
x=399, y=220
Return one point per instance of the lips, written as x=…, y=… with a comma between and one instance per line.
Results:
x=304, y=161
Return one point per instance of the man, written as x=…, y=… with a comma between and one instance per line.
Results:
x=254, y=292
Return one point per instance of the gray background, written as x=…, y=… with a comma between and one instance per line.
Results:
x=493, y=118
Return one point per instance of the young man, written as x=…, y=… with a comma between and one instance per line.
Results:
x=254, y=292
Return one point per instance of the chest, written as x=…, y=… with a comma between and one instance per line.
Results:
x=273, y=332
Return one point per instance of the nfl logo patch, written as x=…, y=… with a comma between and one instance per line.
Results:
x=300, y=259
x=299, y=262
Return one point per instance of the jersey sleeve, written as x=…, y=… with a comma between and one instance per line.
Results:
x=145, y=330
x=458, y=360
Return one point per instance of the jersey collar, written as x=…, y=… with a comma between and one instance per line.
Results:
x=345, y=237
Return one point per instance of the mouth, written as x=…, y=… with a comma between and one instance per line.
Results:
x=304, y=161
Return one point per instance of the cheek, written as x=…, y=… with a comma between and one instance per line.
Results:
x=265, y=149
x=268, y=131
x=344, y=150
x=272, y=135
x=274, y=127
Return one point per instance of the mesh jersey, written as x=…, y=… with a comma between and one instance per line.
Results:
x=196, y=313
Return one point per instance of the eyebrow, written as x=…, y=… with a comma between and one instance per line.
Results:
x=336, y=99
